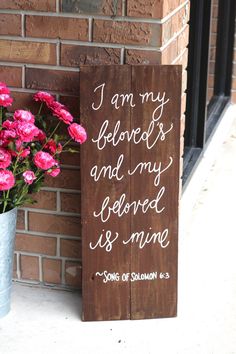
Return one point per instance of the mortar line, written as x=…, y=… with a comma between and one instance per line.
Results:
x=90, y=33
x=22, y=25
x=40, y=268
x=99, y=17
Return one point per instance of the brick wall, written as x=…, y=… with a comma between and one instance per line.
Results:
x=42, y=45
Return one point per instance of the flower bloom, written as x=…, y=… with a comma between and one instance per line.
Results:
x=29, y=177
x=53, y=147
x=8, y=124
x=44, y=160
x=7, y=180
x=55, y=172
x=25, y=152
x=43, y=97
x=24, y=116
x=40, y=136
x=4, y=89
x=27, y=131
x=5, y=158
x=63, y=115
x=56, y=106
x=5, y=100
x=77, y=132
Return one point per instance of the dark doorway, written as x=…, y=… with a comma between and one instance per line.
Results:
x=211, y=42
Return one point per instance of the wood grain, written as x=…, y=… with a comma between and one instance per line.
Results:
x=131, y=298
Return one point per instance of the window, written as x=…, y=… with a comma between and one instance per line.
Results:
x=211, y=41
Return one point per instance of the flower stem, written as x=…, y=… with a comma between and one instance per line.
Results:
x=67, y=143
x=6, y=196
x=51, y=135
x=40, y=109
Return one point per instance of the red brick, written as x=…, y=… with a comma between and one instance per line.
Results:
x=23, y=100
x=127, y=32
x=170, y=5
x=210, y=82
x=183, y=59
x=72, y=104
x=29, y=267
x=215, y=11
x=57, y=27
x=183, y=104
x=66, y=179
x=213, y=38
x=14, y=272
x=234, y=84
x=145, y=8
x=73, y=274
x=71, y=248
x=233, y=96
x=32, y=5
x=20, y=220
x=11, y=75
x=183, y=40
x=55, y=224
x=44, y=200
x=74, y=55
x=7, y=27
x=174, y=25
x=214, y=23
x=52, y=80
x=27, y=52
x=70, y=202
x=36, y=244
x=102, y=7
x=169, y=54
x=184, y=81
x=182, y=125
x=52, y=271
x=133, y=57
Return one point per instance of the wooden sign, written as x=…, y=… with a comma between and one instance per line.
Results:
x=130, y=190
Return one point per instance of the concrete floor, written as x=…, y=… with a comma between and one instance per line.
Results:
x=46, y=321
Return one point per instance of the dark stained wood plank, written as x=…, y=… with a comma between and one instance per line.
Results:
x=156, y=260
x=104, y=300
x=135, y=113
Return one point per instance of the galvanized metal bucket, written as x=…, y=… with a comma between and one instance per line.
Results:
x=7, y=241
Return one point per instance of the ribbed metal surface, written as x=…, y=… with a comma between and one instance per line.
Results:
x=7, y=239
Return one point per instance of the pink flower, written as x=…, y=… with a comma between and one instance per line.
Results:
x=43, y=96
x=8, y=124
x=56, y=106
x=24, y=116
x=5, y=100
x=24, y=153
x=5, y=158
x=27, y=131
x=29, y=177
x=7, y=180
x=77, y=132
x=54, y=173
x=44, y=160
x=40, y=136
x=4, y=89
x=3, y=140
x=63, y=115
